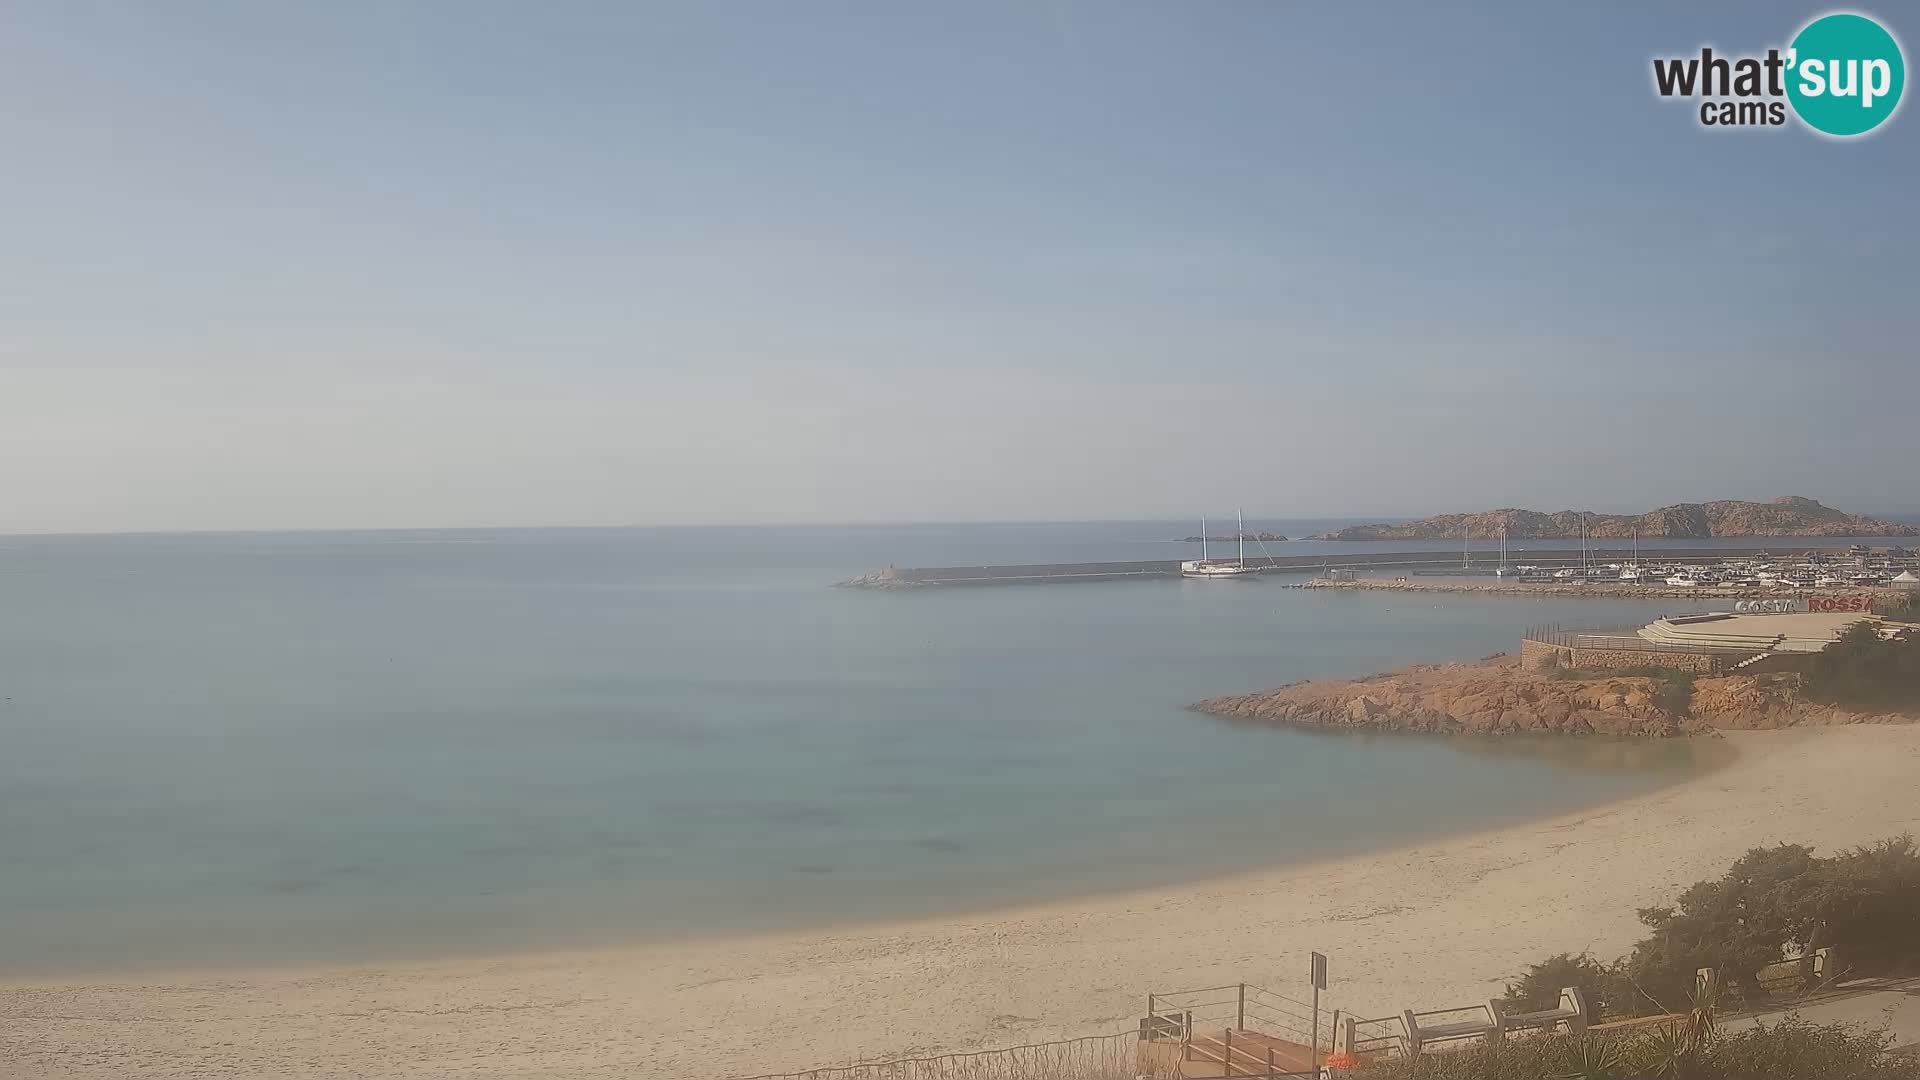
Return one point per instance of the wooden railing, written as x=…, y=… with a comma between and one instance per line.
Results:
x=1243, y=1029
x=1241, y=1007
x=1249, y=1055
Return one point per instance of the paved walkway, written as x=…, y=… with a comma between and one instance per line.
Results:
x=1893, y=1004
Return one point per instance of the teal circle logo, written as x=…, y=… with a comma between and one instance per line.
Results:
x=1845, y=74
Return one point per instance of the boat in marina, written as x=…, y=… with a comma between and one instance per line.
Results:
x=1207, y=569
x=1504, y=570
x=1686, y=579
x=1630, y=573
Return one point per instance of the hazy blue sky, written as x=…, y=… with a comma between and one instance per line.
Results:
x=358, y=264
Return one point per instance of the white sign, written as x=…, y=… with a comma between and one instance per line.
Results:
x=1746, y=607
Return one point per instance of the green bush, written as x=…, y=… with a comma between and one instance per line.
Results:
x=1795, y=1047
x=1607, y=989
x=1736, y=925
x=1862, y=670
x=1772, y=902
x=1790, y=1048
x=1780, y=899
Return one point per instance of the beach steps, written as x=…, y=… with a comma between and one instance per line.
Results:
x=1238, y=1029
x=1235, y=1053
x=1682, y=632
x=1799, y=632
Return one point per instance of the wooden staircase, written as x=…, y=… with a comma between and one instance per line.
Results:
x=1232, y=1053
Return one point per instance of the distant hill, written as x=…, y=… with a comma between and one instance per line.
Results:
x=1789, y=515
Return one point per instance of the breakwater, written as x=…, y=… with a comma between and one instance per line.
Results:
x=1415, y=561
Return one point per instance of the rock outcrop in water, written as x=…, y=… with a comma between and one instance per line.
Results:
x=1491, y=697
x=1228, y=538
x=1497, y=697
x=1789, y=515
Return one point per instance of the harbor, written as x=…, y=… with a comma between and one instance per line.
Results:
x=1730, y=571
x=1800, y=596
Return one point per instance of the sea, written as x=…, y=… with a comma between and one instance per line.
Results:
x=265, y=749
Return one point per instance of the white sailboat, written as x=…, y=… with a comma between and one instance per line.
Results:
x=1631, y=571
x=1585, y=569
x=1209, y=570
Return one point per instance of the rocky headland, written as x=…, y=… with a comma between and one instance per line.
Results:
x=1496, y=696
x=1789, y=515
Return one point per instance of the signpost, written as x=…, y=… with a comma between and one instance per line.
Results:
x=1318, y=975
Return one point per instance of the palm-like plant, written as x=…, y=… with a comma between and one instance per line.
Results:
x=1665, y=1054
x=1595, y=1058
x=1702, y=1025
x=1671, y=1051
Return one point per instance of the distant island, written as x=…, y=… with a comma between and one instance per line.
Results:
x=1789, y=515
x=1265, y=537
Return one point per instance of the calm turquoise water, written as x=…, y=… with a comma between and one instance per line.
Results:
x=282, y=747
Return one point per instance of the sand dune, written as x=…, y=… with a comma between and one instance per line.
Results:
x=1436, y=924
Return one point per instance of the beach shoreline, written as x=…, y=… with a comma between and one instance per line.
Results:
x=1433, y=924
x=1714, y=754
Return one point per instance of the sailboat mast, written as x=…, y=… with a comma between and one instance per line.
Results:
x=1203, y=538
x=1240, y=526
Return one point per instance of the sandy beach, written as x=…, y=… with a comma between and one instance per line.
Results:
x=1437, y=924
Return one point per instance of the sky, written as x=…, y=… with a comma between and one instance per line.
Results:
x=364, y=265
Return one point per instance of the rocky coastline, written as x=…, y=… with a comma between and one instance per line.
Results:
x=1496, y=696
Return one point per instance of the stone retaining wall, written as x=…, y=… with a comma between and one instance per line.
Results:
x=1545, y=656
x=1541, y=656
x=1603, y=659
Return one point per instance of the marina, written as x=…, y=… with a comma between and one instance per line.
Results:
x=1747, y=570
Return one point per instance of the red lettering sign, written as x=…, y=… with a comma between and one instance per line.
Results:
x=1857, y=602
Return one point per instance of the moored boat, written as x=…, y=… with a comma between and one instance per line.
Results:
x=1206, y=569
